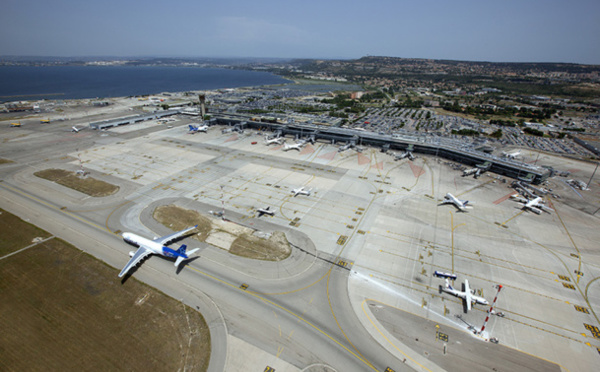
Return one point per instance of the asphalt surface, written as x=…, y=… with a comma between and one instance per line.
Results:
x=370, y=235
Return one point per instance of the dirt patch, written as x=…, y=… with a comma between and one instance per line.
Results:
x=177, y=219
x=274, y=248
x=16, y=233
x=236, y=239
x=87, y=185
x=5, y=161
x=62, y=310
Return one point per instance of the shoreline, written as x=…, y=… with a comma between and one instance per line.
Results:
x=121, y=82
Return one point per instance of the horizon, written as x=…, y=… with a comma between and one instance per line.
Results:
x=512, y=31
x=142, y=57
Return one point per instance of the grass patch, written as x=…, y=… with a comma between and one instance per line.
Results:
x=16, y=233
x=226, y=235
x=88, y=185
x=177, y=219
x=5, y=161
x=275, y=248
x=62, y=310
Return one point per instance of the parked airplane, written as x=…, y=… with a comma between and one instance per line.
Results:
x=197, y=128
x=156, y=246
x=277, y=140
x=476, y=172
x=45, y=121
x=511, y=154
x=76, y=129
x=441, y=274
x=460, y=204
x=295, y=146
x=301, y=191
x=468, y=296
x=406, y=154
x=263, y=211
x=535, y=205
x=347, y=146
x=15, y=125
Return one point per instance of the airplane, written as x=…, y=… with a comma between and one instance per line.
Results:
x=535, y=205
x=76, y=130
x=45, y=121
x=277, y=140
x=460, y=204
x=476, y=172
x=441, y=274
x=512, y=154
x=15, y=125
x=263, y=211
x=197, y=128
x=301, y=191
x=156, y=246
x=346, y=146
x=406, y=154
x=296, y=146
x=467, y=294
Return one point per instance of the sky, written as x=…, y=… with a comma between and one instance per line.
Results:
x=483, y=30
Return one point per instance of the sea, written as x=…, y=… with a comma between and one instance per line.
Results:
x=19, y=83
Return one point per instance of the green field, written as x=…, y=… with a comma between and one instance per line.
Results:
x=62, y=310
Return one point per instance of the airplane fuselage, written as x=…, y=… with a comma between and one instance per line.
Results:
x=156, y=248
x=467, y=295
x=451, y=199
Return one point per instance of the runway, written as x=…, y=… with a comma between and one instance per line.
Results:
x=371, y=232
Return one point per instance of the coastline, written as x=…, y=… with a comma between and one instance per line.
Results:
x=31, y=83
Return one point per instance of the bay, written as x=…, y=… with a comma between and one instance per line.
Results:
x=74, y=82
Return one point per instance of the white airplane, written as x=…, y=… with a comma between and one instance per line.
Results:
x=476, y=172
x=468, y=296
x=511, y=154
x=301, y=191
x=263, y=211
x=406, y=154
x=156, y=246
x=278, y=140
x=295, y=146
x=535, y=205
x=460, y=204
x=197, y=128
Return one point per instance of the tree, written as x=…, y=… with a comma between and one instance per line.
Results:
x=497, y=134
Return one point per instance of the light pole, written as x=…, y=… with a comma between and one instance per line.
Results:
x=452, y=227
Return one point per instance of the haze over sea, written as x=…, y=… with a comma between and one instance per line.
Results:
x=72, y=82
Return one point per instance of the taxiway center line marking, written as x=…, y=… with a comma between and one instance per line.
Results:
x=289, y=312
x=505, y=222
x=338, y=323
x=386, y=338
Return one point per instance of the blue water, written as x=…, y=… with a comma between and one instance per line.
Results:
x=71, y=82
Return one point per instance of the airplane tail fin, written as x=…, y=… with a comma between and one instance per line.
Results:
x=181, y=258
x=181, y=249
x=191, y=127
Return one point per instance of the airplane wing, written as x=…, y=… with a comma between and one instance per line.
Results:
x=468, y=296
x=164, y=240
x=139, y=255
